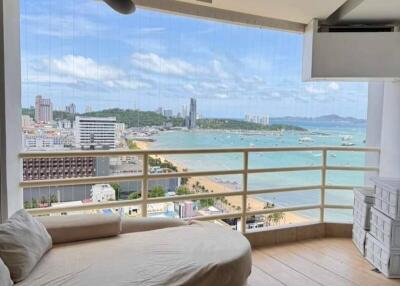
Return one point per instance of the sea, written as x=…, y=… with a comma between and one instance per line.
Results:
x=317, y=134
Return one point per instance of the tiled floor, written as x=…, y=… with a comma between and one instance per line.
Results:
x=329, y=261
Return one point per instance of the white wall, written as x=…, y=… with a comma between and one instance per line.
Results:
x=350, y=56
x=390, y=138
x=374, y=127
x=10, y=109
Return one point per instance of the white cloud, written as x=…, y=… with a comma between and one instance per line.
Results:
x=84, y=68
x=150, y=30
x=208, y=85
x=78, y=70
x=218, y=69
x=189, y=87
x=333, y=86
x=275, y=94
x=319, y=89
x=126, y=84
x=62, y=26
x=221, y=95
x=256, y=63
x=146, y=45
x=315, y=90
x=154, y=63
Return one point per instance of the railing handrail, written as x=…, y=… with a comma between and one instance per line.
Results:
x=245, y=170
x=100, y=153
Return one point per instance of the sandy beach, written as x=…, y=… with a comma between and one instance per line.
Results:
x=217, y=187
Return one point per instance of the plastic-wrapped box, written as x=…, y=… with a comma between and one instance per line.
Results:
x=387, y=261
x=385, y=229
x=387, y=196
x=359, y=236
x=363, y=201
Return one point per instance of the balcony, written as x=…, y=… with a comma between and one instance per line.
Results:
x=329, y=261
x=246, y=211
x=314, y=252
x=304, y=240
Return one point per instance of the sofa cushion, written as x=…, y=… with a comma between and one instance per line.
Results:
x=5, y=279
x=23, y=242
x=198, y=254
x=149, y=223
x=72, y=228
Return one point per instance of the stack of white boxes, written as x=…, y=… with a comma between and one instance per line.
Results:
x=363, y=201
x=383, y=240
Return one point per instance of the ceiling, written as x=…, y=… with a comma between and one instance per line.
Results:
x=372, y=11
x=290, y=15
x=301, y=11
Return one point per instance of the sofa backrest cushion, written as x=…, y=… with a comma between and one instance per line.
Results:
x=5, y=279
x=70, y=228
x=137, y=224
x=23, y=242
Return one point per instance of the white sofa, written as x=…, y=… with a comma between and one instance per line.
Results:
x=102, y=250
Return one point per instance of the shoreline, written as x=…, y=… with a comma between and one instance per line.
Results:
x=218, y=187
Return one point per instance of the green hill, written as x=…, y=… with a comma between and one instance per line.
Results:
x=28, y=111
x=243, y=125
x=132, y=118
x=57, y=115
x=136, y=118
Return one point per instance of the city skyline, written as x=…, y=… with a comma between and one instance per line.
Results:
x=95, y=57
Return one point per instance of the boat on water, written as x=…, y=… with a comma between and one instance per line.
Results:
x=346, y=137
x=305, y=140
x=348, y=144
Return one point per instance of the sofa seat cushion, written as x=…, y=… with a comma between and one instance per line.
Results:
x=63, y=229
x=199, y=254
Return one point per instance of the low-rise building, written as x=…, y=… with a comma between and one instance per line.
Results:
x=102, y=193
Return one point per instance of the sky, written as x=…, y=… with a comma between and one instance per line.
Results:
x=82, y=52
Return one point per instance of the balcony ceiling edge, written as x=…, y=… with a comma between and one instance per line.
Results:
x=222, y=15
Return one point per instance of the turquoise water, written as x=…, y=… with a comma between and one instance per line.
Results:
x=322, y=134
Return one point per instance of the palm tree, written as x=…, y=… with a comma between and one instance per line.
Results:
x=157, y=191
x=134, y=196
x=277, y=217
x=268, y=205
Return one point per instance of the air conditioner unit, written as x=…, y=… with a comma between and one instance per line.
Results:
x=351, y=52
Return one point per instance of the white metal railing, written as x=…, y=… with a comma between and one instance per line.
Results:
x=145, y=176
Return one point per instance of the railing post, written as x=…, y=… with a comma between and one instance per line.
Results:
x=323, y=183
x=245, y=188
x=145, y=184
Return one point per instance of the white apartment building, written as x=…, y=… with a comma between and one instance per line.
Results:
x=27, y=121
x=102, y=193
x=263, y=120
x=42, y=142
x=95, y=132
x=120, y=128
x=64, y=124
